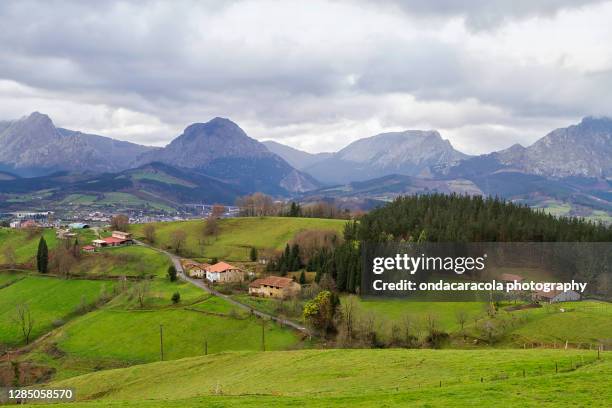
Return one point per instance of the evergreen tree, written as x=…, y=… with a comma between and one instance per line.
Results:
x=253, y=254
x=302, y=278
x=172, y=273
x=42, y=256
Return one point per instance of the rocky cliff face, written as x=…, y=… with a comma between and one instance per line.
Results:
x=583, y=150
x=411, y=153
x=220, y=148
x=33, y=145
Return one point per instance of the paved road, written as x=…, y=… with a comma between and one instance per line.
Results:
x=199, y=283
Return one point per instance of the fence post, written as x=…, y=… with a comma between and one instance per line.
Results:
x=205, y=347
x=556, y=367
x=161, y=341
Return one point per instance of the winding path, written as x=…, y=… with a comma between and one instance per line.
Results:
x=181, y=273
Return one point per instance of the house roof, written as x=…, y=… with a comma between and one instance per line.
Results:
x=553, y=293
x=89, y=247
x=510, y=277
x=275, y=281
x=113, y=240
x=221, y=267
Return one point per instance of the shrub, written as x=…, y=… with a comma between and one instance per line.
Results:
x=176, y=297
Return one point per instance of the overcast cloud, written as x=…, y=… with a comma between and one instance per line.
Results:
x=315, y=75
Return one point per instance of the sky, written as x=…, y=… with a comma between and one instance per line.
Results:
x=314, y=75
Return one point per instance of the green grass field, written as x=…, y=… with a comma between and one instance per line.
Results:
x=238, y=235
x=132, y=260
x=23, y=244
x=357, y=378
x=581, y=322
x=133, y=336
x=49, y=299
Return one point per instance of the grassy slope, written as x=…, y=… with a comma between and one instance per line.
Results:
x=581, y=322
x=125, y=261
x=49, y=299
x=359, y=377
x=238, y=235
x=587, y=322
x=25, y=247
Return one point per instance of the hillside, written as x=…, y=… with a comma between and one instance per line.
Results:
x=154, y=186
x=357, y=378
x=237, y=235
x=410, y=153
x=221, y=149
x=34, y=146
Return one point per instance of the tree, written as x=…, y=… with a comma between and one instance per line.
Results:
x=42, y=256
x=177, y=240
x=321, y=310
x=176, y=297
x=64, y=260
x=149, y=233
x=302, y=278
x=120, y=222
x=253, y=254
x=23, y=318
x=172, y=273
x=8, y=253
x=462, y=318
x=141, y=290
x=211, y=228
x=218, y=210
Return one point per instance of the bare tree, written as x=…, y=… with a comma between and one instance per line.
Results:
x=462, y=318
x=211, y=228
x=177, y=240
x=149, y=233
x=64, y=261
x=8, y=253
x=141, y=290
x=23, y=318
x=120, y=222
x=218, y=210
x=348, y=308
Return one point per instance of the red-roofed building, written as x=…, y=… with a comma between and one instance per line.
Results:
x=89, y=248
x=274, y=286
x=224, y=272
x=111, y=242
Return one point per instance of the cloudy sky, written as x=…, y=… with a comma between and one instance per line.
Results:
x=315, y=75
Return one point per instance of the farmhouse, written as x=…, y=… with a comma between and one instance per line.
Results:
x=194, y=269
x=89, y=248
x=555, y=296
x=118, y=238
x=224, y=272
x=274, y=286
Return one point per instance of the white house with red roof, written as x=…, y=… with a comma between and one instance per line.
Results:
x=224, y=272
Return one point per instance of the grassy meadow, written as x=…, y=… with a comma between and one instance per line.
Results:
x=49, y=299
x=391, y=377
x=131, y=260
x=237, y=235
x=23, y=243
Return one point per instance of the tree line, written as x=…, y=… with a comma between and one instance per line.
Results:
x=441, y=218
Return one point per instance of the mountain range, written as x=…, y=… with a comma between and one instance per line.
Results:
x=217, y=161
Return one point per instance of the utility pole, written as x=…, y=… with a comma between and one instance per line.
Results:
x=263, y=334
x=161, y=341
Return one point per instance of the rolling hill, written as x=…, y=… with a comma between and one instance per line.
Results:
x=356, y=378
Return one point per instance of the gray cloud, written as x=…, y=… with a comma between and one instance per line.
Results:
x=313, y=74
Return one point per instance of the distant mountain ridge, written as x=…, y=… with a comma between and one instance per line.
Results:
x=297, y=158
x=220, y=148
x=33, y=146
x=410, y=153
